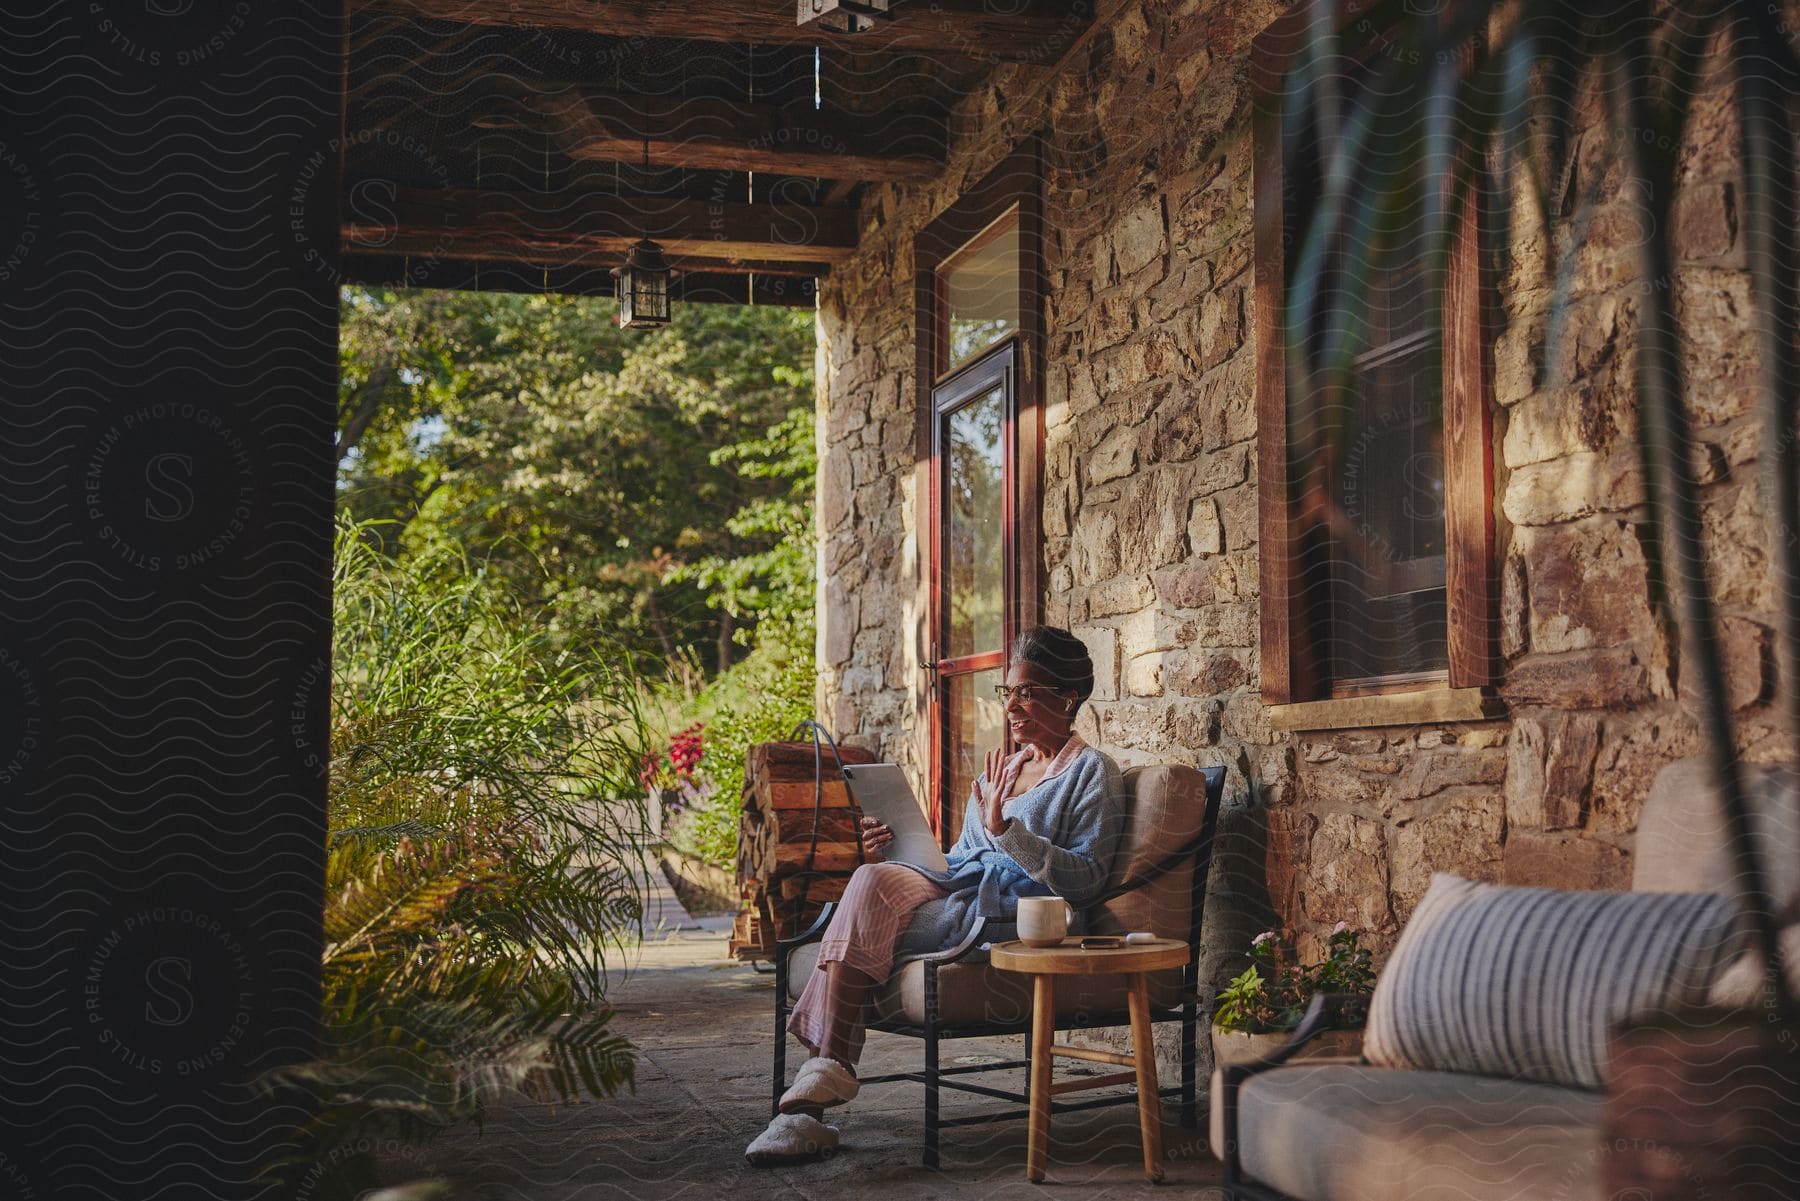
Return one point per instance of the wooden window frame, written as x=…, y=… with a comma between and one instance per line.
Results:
x=1015, y=184
x=1289, y=675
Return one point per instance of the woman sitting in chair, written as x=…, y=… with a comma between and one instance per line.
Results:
x=1043, y=821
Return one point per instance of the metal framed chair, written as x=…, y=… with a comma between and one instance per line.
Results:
x=1160, y=879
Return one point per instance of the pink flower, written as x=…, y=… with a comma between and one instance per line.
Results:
x=1260, y=939
x=1340, y=927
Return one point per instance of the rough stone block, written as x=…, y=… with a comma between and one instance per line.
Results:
x=1094, y=546
x=834, y=491
x=1224, y=468
x=1599, y=679
x=1102, y=644
x=1084, y=397
x=1462, y=836
x=1123, y=594
x=1227, y=625
x=1207, y=672
x=1205, y=534
x=1114, y=458
x=1231, y=413
x=1144, y=675
x=1719, y=354
x=1346, y=874
x=1334, y=783
x=1245, y=718
x=1194, y=724
x=1289, y=833
x=1706, y=220
x=841, y=619
x=1431, y=771
x=1175, y=434
x=1577, y=486
x=1550, y=768
x=1565, y=421
x=1747, y=653
x=1564, y=861
x=1221, y=325
x=1737, y=540
x=1162, y=354
x=1518, y=360
x=1633, y=748
x=1110, y=320
x=1515, y=609
x=1151, y=532
x=1056, y=512
x=1589, y=586
x=1152, y=630
x=1138, y=237
x=1238, y=518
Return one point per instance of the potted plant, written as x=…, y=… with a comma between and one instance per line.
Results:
x=1259, y=1009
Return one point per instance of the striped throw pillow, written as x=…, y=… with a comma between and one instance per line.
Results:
x=1529, y=982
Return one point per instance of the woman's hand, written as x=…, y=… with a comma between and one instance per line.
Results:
x=874, y=835
x=988, y=794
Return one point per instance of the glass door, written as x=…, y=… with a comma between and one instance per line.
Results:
x=974, y=437
x=980, y=459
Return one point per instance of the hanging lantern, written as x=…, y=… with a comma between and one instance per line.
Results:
x=642, y=287
x=841, y=16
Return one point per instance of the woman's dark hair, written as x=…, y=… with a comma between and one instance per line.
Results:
x=1060, y=655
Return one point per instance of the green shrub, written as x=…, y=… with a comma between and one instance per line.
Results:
x=761, y=699
x=480, y=864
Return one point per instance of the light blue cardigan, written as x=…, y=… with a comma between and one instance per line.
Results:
x=1061, y=842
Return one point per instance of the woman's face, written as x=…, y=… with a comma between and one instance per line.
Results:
x=1045, y=719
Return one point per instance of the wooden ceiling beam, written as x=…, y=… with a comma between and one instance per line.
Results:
x=462, y=275
x=1037, y=31
x=464, y=224
x=708, y=133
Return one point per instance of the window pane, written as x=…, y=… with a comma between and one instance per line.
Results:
x=975, y=723
x=1367, y=451
x=1370, y=501
x=981, y=290
x=974, y=548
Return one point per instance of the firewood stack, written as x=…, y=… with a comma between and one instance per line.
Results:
x=783, y=876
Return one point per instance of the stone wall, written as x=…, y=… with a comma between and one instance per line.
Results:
x=1150, y=501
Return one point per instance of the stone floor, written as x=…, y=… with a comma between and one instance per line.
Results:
x=702, y=1026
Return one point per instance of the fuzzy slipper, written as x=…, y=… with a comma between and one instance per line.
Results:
x=819, y=1082
x=791, y=1138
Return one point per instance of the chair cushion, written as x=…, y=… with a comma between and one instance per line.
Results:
x=1334, y=1131
x=1529, y=982
x=977, y=994
x=1168, y=811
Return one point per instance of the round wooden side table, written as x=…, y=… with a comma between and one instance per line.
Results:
x=1044, y=965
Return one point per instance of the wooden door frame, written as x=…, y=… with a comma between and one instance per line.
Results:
x=1016, y=183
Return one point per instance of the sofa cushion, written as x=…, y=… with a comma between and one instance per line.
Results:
x=1333, y=1131
x=974, y=994
x=1529, y=982
x=1682, y=843
x=1168, y=811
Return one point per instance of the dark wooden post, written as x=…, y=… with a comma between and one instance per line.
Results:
x=168, y=326
x=1703, y=1104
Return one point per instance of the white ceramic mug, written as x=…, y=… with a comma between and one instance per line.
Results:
x=1043, y=921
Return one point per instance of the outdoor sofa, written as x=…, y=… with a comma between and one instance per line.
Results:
x=1500, y=1001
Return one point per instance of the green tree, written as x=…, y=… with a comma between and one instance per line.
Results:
x=645, y=483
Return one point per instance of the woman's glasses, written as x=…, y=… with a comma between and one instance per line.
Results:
x=1025, y=692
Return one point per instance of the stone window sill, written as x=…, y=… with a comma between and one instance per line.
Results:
x=1432, y=706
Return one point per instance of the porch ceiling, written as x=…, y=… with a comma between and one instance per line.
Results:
x=525, y=144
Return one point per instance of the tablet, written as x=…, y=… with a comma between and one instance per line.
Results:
x=881, y=791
